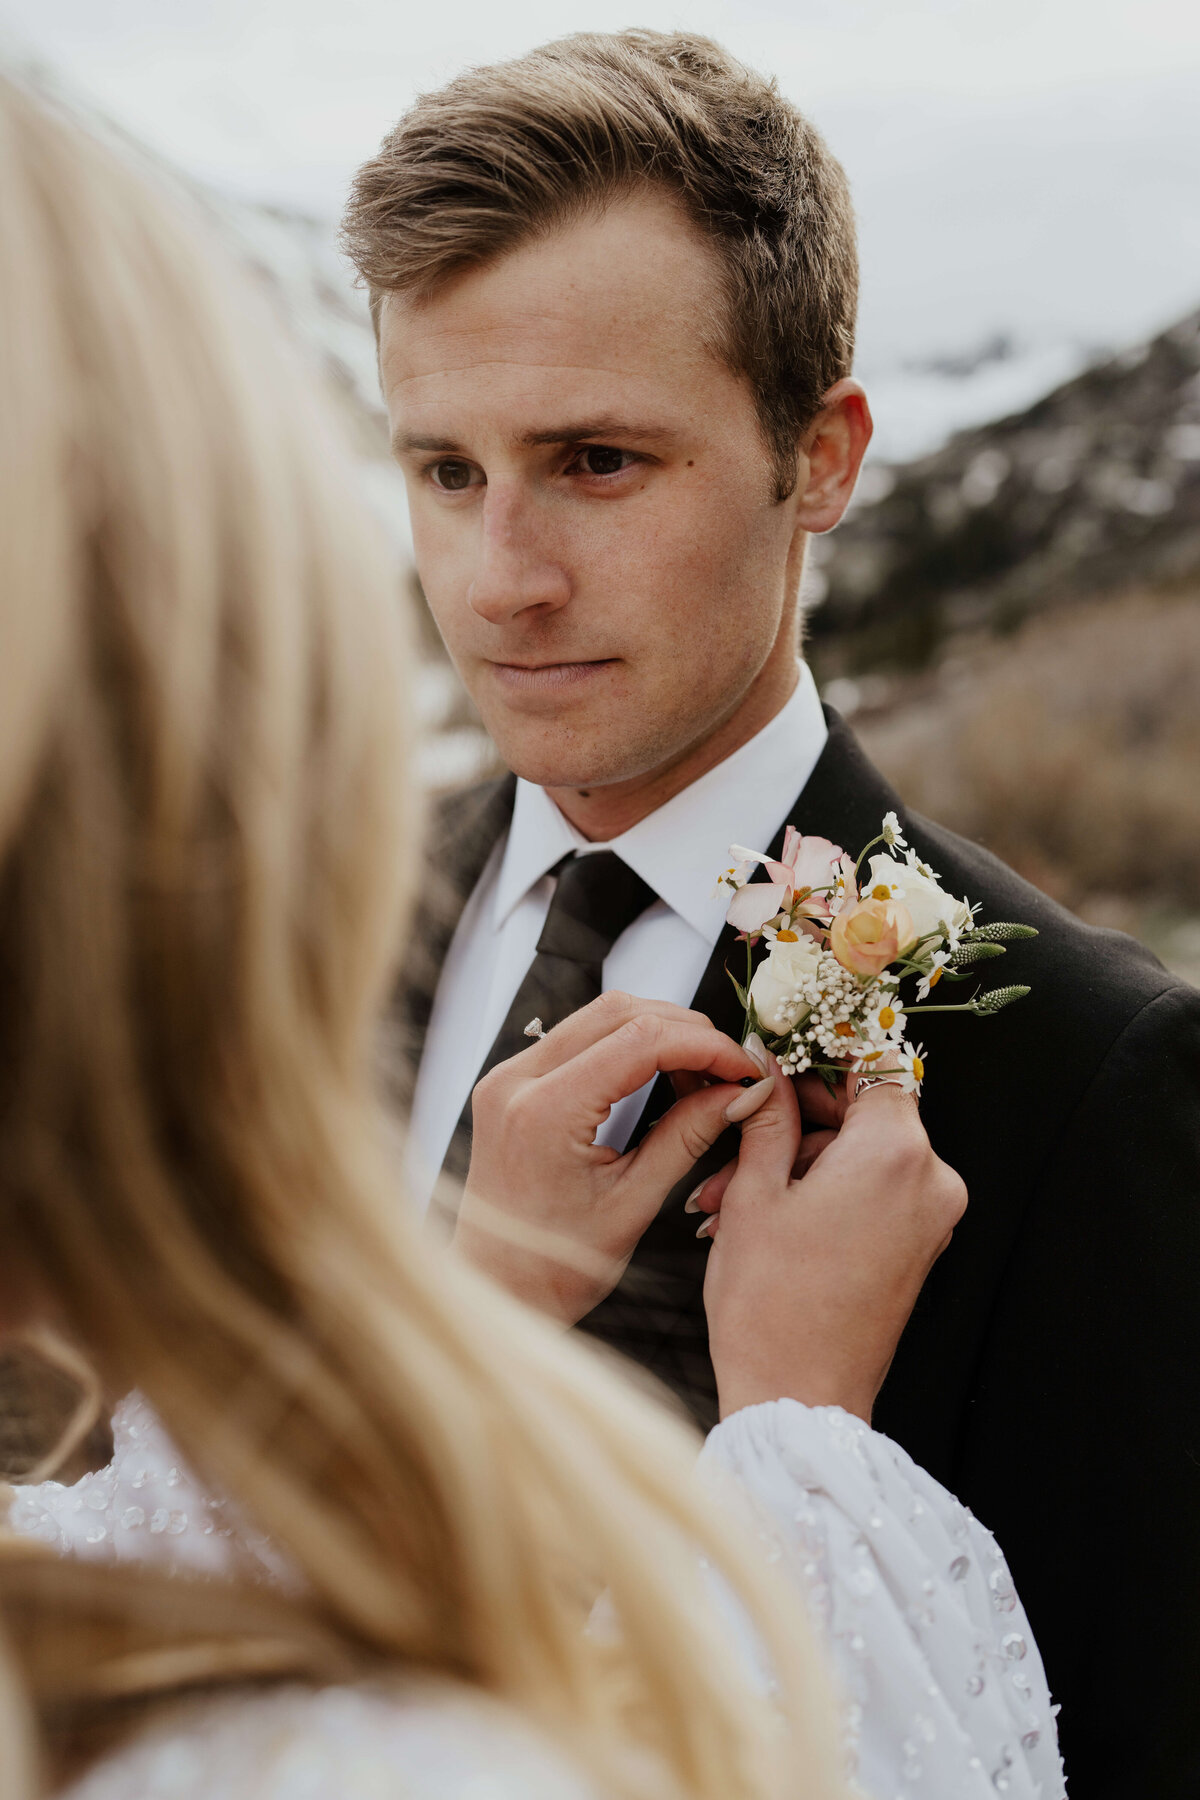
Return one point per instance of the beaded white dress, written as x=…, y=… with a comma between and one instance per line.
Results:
x=942, y=1691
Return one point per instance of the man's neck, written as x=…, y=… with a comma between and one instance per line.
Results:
x=600, y=814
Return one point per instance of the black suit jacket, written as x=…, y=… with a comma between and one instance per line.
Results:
x=1049, y=1374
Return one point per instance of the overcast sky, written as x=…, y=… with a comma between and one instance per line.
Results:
x=1022, y=165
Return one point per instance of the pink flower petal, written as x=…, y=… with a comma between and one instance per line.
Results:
x=792, y=841
x=816, y=862
x=755, y=903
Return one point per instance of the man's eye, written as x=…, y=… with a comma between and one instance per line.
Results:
x=452, y=476
x=598, y=459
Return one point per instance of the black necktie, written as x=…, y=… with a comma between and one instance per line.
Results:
x=596, y=897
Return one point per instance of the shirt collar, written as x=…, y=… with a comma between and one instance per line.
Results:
x=681, y=848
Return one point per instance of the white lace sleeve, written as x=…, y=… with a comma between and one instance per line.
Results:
x=420, y=1741
x=943, y=1690
x=144, y=1506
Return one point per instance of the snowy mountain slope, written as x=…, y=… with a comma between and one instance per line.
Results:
x=1094, y=487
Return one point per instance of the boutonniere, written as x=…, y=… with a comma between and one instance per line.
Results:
x=842, y=940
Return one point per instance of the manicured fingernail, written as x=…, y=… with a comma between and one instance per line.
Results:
x=757, y=1051
x=709, y=1226
x=744, y=1106
x=689, y=1204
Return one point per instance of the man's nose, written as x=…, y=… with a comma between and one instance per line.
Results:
x=516, y=570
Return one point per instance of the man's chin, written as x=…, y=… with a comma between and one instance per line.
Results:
x=579, y=771
x=569, y=746
x=575, y=760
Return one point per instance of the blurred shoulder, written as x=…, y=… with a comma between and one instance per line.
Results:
x=483, y=809
x=414, y=1740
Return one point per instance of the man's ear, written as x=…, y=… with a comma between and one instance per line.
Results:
x=831, y=454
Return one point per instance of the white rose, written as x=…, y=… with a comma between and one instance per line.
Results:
x=776, y=980
x=929, y=906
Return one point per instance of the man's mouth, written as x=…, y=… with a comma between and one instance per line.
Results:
x=543, y=676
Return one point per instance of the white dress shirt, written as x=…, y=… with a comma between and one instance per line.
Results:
x=679, y=851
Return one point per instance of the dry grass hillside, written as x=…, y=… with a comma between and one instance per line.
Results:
x=1072, y=749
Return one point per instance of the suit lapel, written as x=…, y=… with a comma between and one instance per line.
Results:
x=844, y=799
x=460, y=836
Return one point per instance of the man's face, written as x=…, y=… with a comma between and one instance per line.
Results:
x=593, y=504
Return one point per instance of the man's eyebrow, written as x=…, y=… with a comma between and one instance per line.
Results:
x=606, y=428
x=414, y=440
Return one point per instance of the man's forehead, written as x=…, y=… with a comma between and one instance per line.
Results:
x=579, y=334
x=539, y=387
x=621, y=292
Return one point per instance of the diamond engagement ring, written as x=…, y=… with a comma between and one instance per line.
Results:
x=534, y=1029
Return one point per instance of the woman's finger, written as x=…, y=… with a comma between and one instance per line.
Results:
x=811, y=1146
x=588, y=1086
x=887, y=1093
x=771, y=1142
x=708, y=1196
x=707, y=1200
x=686, y=1133
x=817, y=1105
x=596, y=1021
x=685, y=1082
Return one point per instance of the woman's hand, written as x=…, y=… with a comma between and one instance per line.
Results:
x=811, y=1281
x=549, y=1213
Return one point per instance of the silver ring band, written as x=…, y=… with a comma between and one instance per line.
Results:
x=872, y=1081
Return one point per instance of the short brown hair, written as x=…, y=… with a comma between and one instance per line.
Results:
x=504, y=153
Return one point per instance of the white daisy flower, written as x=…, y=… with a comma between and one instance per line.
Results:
x=911, y=1068
x=932, y=975
x=922, y=868
x=953, y=928
x=892, y=835
x=840, y=894
x=735, y=877
x=886, y=1019
x=783, y=929
x=882, y=889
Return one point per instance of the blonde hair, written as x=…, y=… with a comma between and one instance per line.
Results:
x=505, y=153
x=207, y=847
